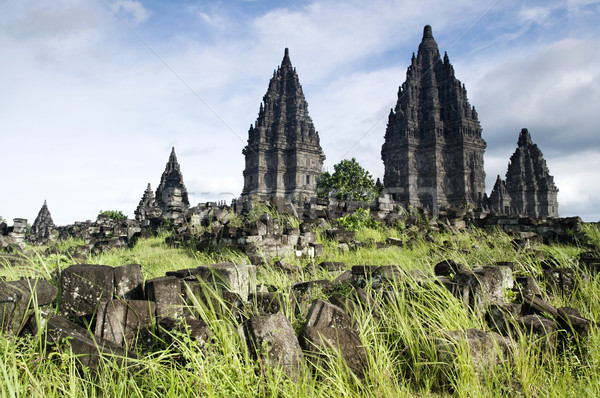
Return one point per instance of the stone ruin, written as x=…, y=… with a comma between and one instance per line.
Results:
x=433, y=150
x=171, y=201
x=283, y=155
x=529, y=188
x=432, y=154
x=111, y=311
x=171, y=194
x=43, y=228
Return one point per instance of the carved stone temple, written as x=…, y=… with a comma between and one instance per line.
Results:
x=433, y=150
x=283, y=155
x=43, y=228
x=147, y=208
x=171, y=194
x=529, y=187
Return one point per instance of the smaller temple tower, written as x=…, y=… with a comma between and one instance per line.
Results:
x=529, y=184
x=43, y=228
x=171, y=194
x=147, y=208
x=499, y=201
x=283, y=155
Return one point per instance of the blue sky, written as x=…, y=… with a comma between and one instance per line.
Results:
x=94, y=93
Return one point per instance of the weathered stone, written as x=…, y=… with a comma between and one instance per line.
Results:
x=240, y=279
x=19, y=298
x=329, y=328
x=447, y=268
x=197, y=329
x=540, y=327
x=341, y=235
x=283, y=155
x=500, y=318
x=84, y=286
x=535, y=304
x=125, y=322
x=166, y=293
x=129, y=282
x=571, y=320
x=485, y=349
x=527, y=285
x=265, y=302
x=171, y=194
x=332, y=266
x=486, y=285
x=273, y=341
x=148, y=210
x=433, y=150
x=560, y=279
x=65, y=335
x=528, y=182
x=43, y=228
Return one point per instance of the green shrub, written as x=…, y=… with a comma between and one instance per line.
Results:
x=361, y=218
x=113, y=214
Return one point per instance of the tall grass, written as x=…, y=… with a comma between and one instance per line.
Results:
x=402, y=359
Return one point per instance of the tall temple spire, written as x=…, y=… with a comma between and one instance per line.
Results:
x=283, y=155
x=171, y=194
x=528, y=180
x=433, y=150
x=43, y=228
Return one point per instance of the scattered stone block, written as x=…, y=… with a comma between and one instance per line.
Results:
x=84, y=286
x=484, y=286
x=340, y=235
x=19, y=298
x=273, y=341
x=527, y=285
x=539, y=327
x=447, y=268
x=560, y=279
x=65, y=335
x=329, y=328
x=129, y=282
x=484, y=348
x=571, y=320
x=166, y=293
x=240, y=279
x=125, y=322
x=501, y=318
x=197, y=329
x=265, y=302
x=535, y=304
x=332, y=266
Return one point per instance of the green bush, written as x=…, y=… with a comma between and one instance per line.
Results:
x=113, y=214
x=349, y=182
x=361, y=218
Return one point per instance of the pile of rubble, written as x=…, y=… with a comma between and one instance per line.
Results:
x=106, y=310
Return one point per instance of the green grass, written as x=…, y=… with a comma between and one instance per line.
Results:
x=401, y=357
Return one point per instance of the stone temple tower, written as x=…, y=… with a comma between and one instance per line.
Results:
x=528, y=181
x=171, y=194
x=433, y=150
x=283, y=155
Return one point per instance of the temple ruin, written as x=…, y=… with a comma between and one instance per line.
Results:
x=43, y=228
x=433, y=150
x=283, y=155
x=529, y=188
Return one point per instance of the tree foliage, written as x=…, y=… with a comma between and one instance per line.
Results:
x=114, y=214
x=349, y=181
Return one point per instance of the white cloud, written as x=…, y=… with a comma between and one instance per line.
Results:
x=132, y=11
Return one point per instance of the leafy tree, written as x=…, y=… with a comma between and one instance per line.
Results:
x=349, y=181
x=114, y=214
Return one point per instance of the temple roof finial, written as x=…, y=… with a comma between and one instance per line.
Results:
x=427, y=34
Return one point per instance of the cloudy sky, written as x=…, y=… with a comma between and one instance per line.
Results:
x=94, y=93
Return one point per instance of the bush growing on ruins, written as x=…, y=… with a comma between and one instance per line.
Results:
x=113, y=214
x=361, y=218
x=348, y=182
